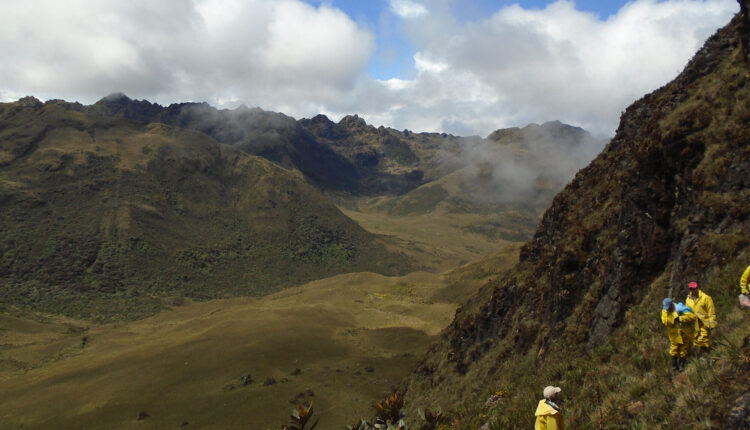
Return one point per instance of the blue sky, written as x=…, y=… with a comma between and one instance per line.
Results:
x=458, y=66
x=394, y=52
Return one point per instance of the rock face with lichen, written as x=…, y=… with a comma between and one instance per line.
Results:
x=667, y=198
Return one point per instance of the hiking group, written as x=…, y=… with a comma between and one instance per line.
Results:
x=689, y=325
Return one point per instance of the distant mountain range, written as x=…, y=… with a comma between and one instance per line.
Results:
x=109, y=208
x=351, y=156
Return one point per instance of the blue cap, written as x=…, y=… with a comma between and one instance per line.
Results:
x=666, y=303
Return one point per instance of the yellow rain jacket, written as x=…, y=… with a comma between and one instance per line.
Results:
x=547, y=417
x=743, y=281
x=670, y=320
x=687, y=330
x=703, y=307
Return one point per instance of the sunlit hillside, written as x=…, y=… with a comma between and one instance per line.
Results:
x=339, y=342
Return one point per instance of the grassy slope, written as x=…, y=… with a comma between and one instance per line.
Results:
x=177, y=366
x=101, y=217
x=347, y=322
x=440, y=228
x=438, y=240
x=622, y=381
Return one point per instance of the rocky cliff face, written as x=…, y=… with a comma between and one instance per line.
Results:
x=667, y=199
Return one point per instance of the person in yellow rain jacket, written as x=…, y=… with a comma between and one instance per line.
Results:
x=547, y=413
x=671, y=319
x=743, y=282
x=687, y=332
x=744, y=288
x=703, y=307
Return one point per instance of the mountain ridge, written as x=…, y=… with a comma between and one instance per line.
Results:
x=119, y=140
x=663, y=204
x=348, y=157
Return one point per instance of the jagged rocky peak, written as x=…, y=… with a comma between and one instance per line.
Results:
x=322, y=126
x=29, y=101
x=353, y=121
x=117, y=97
x=120, y=105
x=554, y=127
x=244, y=109
x=74, y=106
x=502, y=134
x=320, y=119
x=556, y=130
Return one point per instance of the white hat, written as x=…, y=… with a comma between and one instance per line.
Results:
x=551, y=391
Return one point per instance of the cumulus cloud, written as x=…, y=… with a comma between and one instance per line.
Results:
x=519, y=66
x=408, y=9
x=512, y=67
x=275, y=53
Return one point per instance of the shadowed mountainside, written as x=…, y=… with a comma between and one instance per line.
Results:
x=353, y=158
x=271, y=135
x=664, y=204
x=306, y=145
x=102, y=216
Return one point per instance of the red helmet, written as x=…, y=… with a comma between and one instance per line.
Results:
x=693, y=285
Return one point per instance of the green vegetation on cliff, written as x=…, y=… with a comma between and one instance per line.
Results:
x=664, y=204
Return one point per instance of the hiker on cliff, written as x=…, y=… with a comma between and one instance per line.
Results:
x=703, y=307
x=687, y=332
x=744, y=289
x=680, y=322
x=670, y=319
x=547, y=413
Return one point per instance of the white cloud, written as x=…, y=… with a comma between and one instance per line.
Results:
x=264, y=52
x=423, y=64
x=519, y=66
x=408, y=9
x=396, y=84
x=511, y=68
